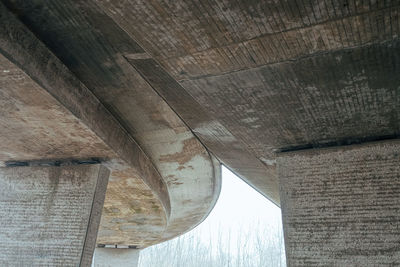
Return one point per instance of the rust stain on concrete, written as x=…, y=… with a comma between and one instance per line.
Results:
x=191, y=148
x=132, y=213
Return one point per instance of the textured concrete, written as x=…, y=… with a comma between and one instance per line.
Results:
x=49, y=216
x=254, y=77
x=163, y=84
x=116, y=257
x=341, y=207
x=163, y=181
x=44, y=68
x=36, y=126
x=249, y=78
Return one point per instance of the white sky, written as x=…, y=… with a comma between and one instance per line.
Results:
x=239, y=203
x=239, y=208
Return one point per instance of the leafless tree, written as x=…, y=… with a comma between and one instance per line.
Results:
x=251, y=246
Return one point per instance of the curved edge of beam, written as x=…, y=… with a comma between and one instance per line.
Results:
x=48, y=71
x=216, y=189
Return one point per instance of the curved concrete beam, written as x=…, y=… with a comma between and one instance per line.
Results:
x=21, y=47
x=190, y=175
x=106, y=138
x=227, y=147
x=36, y=128
x=253, y=78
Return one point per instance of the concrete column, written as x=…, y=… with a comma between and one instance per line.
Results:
x=49, y=216
x=341, y=207
x=116, y=257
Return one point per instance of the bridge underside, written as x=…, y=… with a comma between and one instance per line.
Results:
x=161, y=92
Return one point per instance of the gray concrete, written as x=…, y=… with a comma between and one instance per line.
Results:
x=155, y=87
x=341, y=207
x=249, y=78
x=49, y=216
x=116, y=257
x=163, y=181
x=254, y=77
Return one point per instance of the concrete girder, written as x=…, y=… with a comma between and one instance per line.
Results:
x=255, y=77
x=129, y=174
x=227, y=147
x=137, y=209
x=250, y=78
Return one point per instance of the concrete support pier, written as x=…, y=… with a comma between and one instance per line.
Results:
x=116, y=257
x=49, y=215
x=341, y=206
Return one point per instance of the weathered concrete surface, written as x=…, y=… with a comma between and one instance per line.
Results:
x=37, y=126
x=34, y=125
x=163, y=181
x=341, y=207
x=248, y=78
x=49, y=216
x=93, y=47
x=19, y=45
x=229, y=149
x=260, y=76
x=114, y=257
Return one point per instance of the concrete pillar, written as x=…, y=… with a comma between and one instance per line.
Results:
x=116, y=257
x=341, y=207
x=49, y=215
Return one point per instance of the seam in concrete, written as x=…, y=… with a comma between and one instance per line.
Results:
x=311, y=25
x=244, y=148
x=294, y=59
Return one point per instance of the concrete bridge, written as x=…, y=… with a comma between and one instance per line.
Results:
x=116, y=115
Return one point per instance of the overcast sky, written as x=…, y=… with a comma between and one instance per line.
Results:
x=238, y=208
x=242, y=225
x=240, y=203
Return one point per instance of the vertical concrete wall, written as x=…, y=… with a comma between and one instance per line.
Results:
x=113, y=257
x=341, y=207
x=49, y=216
